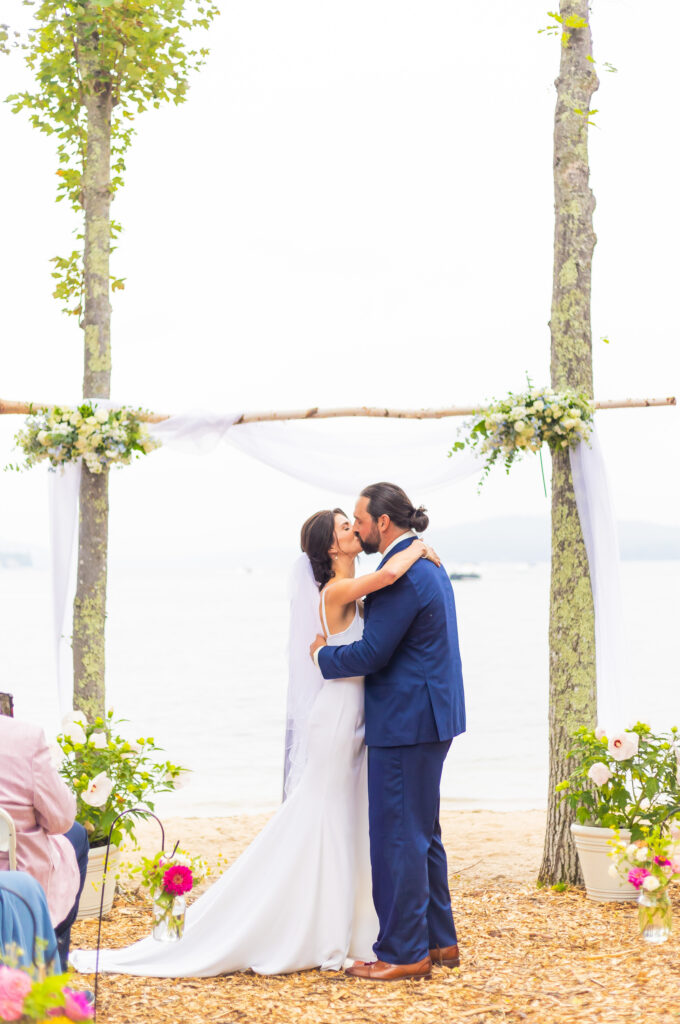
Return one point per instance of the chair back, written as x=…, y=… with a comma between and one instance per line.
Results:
x=8, y=838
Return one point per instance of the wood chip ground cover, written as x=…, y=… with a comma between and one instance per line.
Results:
x=527, y=955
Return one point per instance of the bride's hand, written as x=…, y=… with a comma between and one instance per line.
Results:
x=430, y=554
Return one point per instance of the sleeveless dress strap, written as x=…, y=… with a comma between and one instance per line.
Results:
x=323, y=613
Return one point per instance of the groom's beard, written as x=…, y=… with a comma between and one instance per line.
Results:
x=371, y=545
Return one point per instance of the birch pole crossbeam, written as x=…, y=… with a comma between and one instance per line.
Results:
x=9, y=408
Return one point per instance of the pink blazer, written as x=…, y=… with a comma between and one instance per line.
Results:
x=42, y=807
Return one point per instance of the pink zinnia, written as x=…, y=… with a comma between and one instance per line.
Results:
x=77, y=1006
x=661, y=860
x=637, y=876
x=178, y=879
x=14, y=987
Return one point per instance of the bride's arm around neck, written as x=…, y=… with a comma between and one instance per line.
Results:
x=347, y=591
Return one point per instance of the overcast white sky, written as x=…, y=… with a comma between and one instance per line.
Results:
x=355, y=206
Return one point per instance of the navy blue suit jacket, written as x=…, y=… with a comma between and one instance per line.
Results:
x=409, y=655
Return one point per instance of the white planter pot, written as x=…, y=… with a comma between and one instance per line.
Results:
x=91, y=895
x=593, y=853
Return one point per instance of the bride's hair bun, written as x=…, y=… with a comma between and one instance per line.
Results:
x=419, y=520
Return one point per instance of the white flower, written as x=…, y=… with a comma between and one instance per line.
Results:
x=631, y=851
x=599, y=733
x=642, y=853
x=651, y=883
x=623, y=745
x=599, y=773
x=539, y=406
x=57, y=755
x=99, y=740
x=519, y=426
x=612, y=871
x=101, y=415
x=72, y=727
x=98, y=791
x=43, y=437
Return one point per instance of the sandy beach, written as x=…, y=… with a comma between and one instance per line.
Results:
x=501, y=848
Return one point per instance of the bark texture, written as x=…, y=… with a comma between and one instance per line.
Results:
x=89, y=610
x=572, y=627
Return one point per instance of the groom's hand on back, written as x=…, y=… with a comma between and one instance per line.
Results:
x=319, y=642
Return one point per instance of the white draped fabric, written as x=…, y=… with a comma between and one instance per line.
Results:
x=600, y=534
x=64, y=488
x=344, y=458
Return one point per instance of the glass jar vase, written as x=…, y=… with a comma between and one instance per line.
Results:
x=655, y=915
x=168, y=917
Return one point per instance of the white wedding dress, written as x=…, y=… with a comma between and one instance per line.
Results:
x=300, y=896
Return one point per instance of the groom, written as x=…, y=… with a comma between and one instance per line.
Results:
x=414, y=707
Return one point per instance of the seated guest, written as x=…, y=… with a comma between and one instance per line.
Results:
x=26, y=932
x=51, y=846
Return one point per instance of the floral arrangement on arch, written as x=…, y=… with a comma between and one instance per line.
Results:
x=521, y=423
x=627, y=780
x=25, y=998
x=110, y=774
x=101, y=437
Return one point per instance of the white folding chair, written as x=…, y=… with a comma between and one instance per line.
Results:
x=8, y=838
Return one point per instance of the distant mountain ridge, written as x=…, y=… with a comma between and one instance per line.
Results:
x=527, y=539
x=505, y=539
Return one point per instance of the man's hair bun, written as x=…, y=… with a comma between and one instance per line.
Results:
x=419, y=519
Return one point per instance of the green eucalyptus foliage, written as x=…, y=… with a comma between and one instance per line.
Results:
x=641, y=791
x=133, y=52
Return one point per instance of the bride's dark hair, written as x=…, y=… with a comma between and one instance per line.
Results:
x=316, y=537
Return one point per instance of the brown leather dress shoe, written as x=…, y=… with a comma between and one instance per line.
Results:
x=379, y=970
x=446, y=957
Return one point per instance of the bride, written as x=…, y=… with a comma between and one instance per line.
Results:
x=299, y=897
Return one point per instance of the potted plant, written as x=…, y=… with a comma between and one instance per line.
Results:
x=621, y=784
x=109, y=774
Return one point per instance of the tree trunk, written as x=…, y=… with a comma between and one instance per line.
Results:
x=89, y=609
x=572, y=626
x=7, y=704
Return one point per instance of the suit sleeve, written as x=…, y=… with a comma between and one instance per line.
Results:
x=392, y=612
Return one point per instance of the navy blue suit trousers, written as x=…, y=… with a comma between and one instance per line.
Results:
x=410, y=877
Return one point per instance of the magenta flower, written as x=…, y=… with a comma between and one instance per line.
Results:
x=178, y=879
x=662, y=861
x=77, y=1006
x=14, y=987
x=637, y=876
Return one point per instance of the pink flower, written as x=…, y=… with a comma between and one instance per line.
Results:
x=675, y=865
x=661, y=860
x=599, y=773
x=623, y=746
x=77, y=1006
x=178, y=879
x=637, y=876
x=14, y=987
x=599, y=733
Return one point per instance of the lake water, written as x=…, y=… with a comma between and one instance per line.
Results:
x=196, y=658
